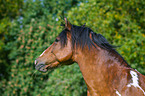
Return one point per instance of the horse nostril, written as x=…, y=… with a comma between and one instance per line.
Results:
x=35, y=62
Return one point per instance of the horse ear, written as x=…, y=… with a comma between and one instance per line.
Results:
x=67, y=24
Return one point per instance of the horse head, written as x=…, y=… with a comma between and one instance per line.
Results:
x=59, y=53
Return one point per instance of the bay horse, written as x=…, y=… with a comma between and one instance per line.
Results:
x=104, y=70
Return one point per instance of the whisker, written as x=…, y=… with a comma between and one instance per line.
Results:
x=34, y=73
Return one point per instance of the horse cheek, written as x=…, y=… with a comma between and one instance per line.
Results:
x=65, y=55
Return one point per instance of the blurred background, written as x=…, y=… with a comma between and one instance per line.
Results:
x=28, y=27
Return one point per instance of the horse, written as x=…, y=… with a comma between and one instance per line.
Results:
x=104, y=70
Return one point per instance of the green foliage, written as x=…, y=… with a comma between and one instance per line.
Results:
x=121, y=22
x=9, y=9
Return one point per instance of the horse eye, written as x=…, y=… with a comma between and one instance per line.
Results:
x=56, y=40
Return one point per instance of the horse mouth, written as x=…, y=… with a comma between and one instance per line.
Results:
x=41, y=67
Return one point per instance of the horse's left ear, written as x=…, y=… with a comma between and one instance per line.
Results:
x=67, y=24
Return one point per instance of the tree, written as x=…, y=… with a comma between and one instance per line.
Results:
x=9, y=10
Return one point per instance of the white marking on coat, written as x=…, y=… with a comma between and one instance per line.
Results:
x=42, y=53
x=135, y=82
x=118, y=93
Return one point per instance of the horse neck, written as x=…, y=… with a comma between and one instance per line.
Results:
x=96, y=63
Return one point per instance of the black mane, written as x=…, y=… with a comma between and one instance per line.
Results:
x=80, y=37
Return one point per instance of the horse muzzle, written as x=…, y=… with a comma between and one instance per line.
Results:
x=40, y=67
